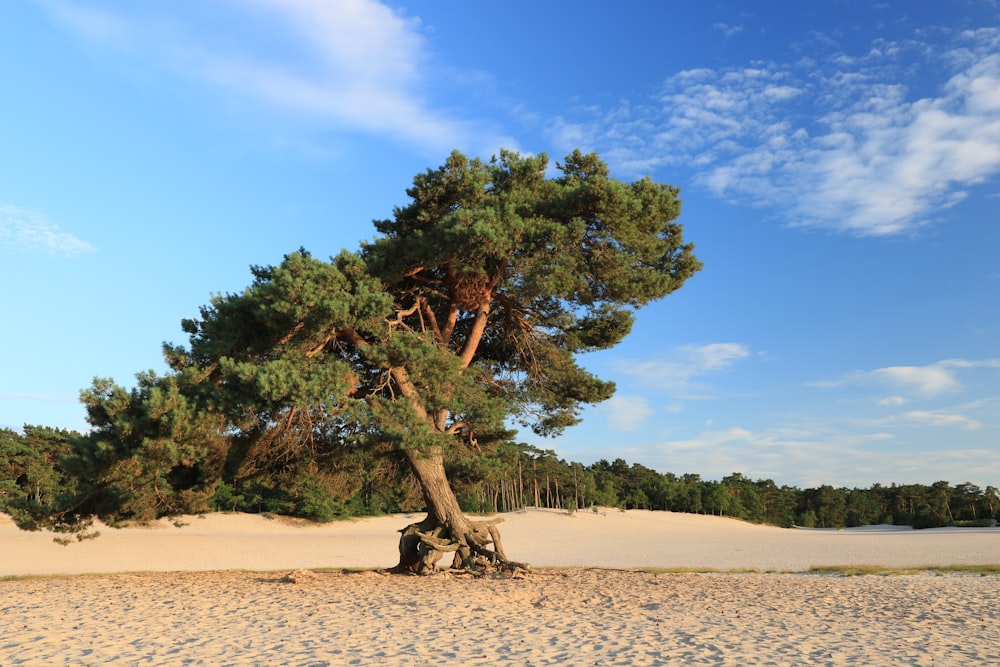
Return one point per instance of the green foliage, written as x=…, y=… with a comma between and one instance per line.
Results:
x=316, y=498
x=552, y=267
x=467, y=310
x=151, y=452
x=225, y=499
x=618, y=484
x=32, y=479
x=606, y=495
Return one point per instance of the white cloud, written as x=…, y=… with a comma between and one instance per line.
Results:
x=357, y=63
x=839, y=142
x=788, y=455
x=90, y=22
x=711, y=439
x=366, y=63
x=965, y=363
x=893, y=400
x=940, y=418
x=926, y=381
x=625, y=413
x=728, y=30
x=675, y=371
x=812, y=457
x=714, y=356
x=32, y=231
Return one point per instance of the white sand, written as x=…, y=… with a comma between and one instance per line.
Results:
x=179, y=599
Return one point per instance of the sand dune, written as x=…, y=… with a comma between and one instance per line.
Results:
x=214, y=592
x=609, y=538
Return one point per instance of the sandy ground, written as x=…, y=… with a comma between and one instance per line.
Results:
x=214, y=592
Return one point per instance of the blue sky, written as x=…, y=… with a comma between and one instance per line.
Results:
x=839, y=165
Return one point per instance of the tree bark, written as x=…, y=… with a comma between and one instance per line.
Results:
x=446, y=528
x=442, y=505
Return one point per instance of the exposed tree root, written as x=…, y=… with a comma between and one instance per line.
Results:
x=422, y=545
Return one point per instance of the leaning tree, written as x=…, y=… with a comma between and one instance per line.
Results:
x=464, y=315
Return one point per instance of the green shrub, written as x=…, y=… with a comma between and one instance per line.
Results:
x=806, y=519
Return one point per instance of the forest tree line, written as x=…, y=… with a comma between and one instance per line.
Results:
x=37, y=474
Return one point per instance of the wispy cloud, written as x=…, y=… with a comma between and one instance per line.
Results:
x=39, y=397
x=625, y=413
x=30, y=231
x=925, y=381
x=892, y=400
x=839, y=142
x=89, y=22
x=728, y=30
x=788, y=455
x=939, y=418
x=677, y=370
x=810, y=458
x=356, y=63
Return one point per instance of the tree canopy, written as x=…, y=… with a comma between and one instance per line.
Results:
x=466, y=311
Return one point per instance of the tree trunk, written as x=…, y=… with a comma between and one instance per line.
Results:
x=520, y=481
x=446, y=528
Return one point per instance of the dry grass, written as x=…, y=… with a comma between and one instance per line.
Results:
x=883, y=571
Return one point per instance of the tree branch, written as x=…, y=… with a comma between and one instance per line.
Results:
x=350, y=335
x=313, y=351
x=428, y=312
x=456, y=427
x=482, y=317
x=400, y=314
x=291, y=334
x=409, y=391
x=449, y=327
x=475, y=335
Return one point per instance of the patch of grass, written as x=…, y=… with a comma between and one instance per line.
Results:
x=833, y=570
x=883, y=571
x=700, y=570
x=971, y=569
x=976, y=523
x=39, y=577
x=79, y=536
